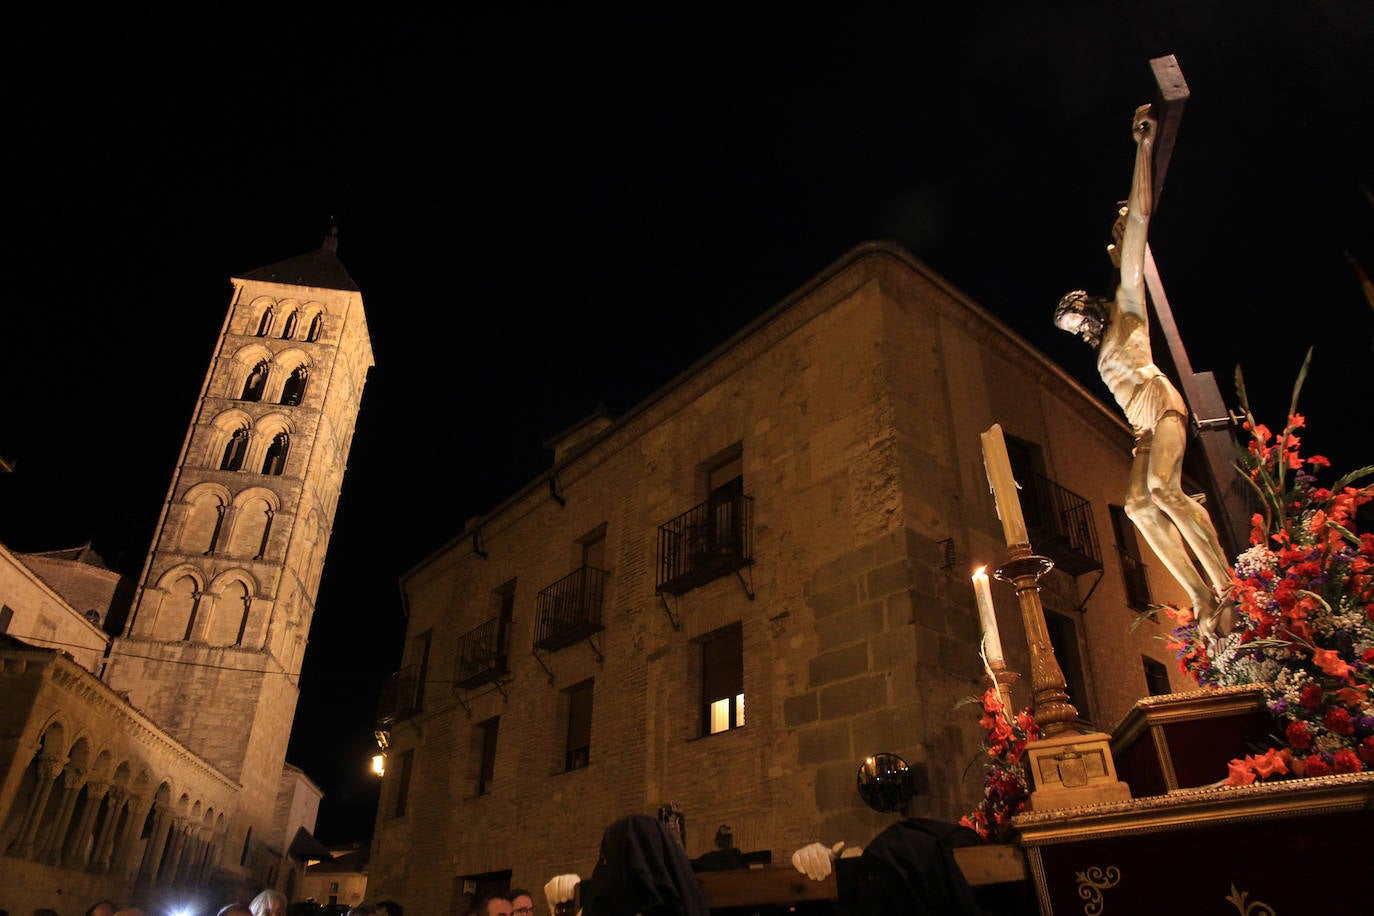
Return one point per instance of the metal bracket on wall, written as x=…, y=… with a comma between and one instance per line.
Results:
x=554, y=493
x=600, y=659
x=747, y=586
x=669, y=611
x=535, y=653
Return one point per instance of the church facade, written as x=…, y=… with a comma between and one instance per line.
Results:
x=154, y=761
x=728, y=597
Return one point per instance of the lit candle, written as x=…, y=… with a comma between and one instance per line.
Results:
x=998, y=467
x=992, y=640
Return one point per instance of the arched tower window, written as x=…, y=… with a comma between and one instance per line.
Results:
x=230, y=615
x=234, y=451
x=265, y=323
x=178, y=612
x=255, y=383
x=203, y=521
x=293, y=392
x=316, y=327
x=288, y=331
x=275, y=461
x=252, y=524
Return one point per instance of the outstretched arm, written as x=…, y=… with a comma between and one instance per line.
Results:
x=1130, y=297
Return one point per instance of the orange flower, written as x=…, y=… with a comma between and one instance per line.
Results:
x=1330, y=661
x=1268, y=763
x=1241, y=774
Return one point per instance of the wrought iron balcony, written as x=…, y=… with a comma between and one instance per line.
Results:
x=481, y=655
x=1137, y=585
x=706, y=542
x=399, y=698
x=570, y=609
x=1060, y=524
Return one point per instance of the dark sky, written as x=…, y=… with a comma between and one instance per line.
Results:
x=547, y=210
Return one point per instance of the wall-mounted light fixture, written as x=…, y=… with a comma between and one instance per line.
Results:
x=379, y=764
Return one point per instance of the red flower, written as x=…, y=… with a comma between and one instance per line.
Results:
x=1367, y=750
x=1311, y=696
x=1338, y=720
x=1347, y=762
x=1316, y=766
x=1299, y=738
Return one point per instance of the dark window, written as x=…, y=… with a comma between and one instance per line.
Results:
x=1132, y=567
x=293, y=392
x=594, y=549
x=419, y=661
x=1064, y=639
x=265, y=323
x=316, y=326
x=722, y=680
x=1156, y=677
x=275, y=462
x=579, y=726
x=505, y=604
x=289, y=330
x=403, y=773
x=6, y=615
x=247, y=844
x=487, y=769
x=256, y=381
x=234, y=450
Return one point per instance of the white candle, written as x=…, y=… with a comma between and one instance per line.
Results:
x=987, y=616
x=998, y=467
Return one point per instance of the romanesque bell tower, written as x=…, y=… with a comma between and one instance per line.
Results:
x=213, y=645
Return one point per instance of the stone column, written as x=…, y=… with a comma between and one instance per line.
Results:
x=157, y=841
x=104, y=842
x=49, y=768
x=123, y=844
x=76, y=853
x=50, y=845
x=180, y=829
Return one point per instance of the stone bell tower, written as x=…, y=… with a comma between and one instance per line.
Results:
x=213, y=644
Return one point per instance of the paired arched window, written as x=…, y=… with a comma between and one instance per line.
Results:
x=316, y=327
x=177, y=615
x=204, y=519
x=265, y=323
x=288, y=331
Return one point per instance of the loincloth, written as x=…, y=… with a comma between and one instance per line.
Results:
x=1151, y=401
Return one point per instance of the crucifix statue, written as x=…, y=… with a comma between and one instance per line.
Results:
x=1171, y=521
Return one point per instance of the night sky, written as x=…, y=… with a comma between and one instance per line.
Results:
x=550, y=210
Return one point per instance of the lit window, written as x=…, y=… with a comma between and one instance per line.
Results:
x=722, y=680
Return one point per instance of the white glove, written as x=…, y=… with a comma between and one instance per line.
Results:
x=814, y=860
x=560, y=889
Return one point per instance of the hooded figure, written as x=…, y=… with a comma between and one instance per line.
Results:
x=643, y=870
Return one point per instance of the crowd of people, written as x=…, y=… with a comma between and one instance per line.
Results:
x=267, y=903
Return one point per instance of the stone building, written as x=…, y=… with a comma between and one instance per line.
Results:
x=728, y=597
x=156, y=759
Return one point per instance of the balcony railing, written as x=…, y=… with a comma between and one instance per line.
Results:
x=1137, y=585
x=481, y=655
x=570, y=609
x=706, y=542
x=399, y=698
x=1060, y=524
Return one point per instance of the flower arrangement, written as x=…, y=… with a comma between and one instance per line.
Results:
x=1304, y=608
x=1005, y=787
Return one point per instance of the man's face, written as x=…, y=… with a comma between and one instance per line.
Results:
x=498, y=906
x=522, y=906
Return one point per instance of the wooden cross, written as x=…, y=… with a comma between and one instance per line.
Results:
x=1211, y=419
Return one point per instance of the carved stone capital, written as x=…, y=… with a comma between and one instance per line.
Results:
x=50, y=767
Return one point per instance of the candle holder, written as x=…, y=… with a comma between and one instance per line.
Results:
x=1067, y=768
x=997, y=675
x=1049, y=688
